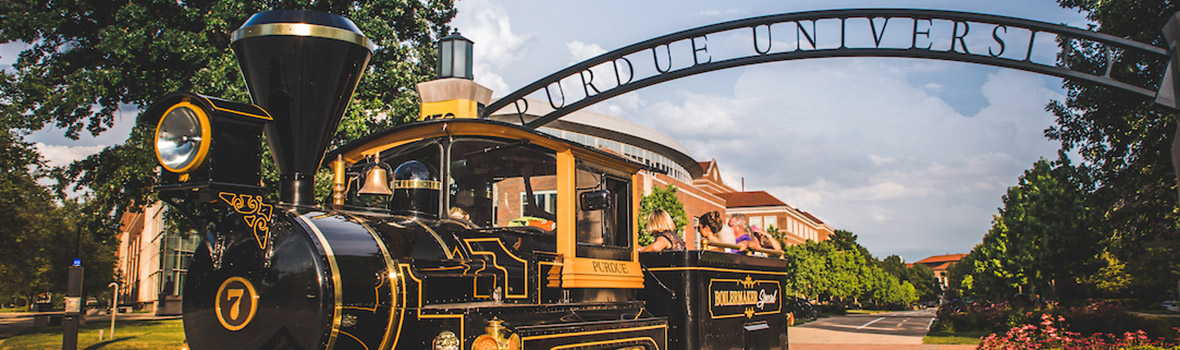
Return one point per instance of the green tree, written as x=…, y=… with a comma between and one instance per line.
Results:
x=88, y=59
x=1042, y=241
x=24, y=227
x=1112, y=279
x=819, y=270
x=846, y=240
x=1049, y=225
x=925, y=283
x=806, y=269
x=39, y=238
x=1125, y=142
x=660, y=198
x=920, y=277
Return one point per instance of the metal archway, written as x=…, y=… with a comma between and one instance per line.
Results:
x=1004, y=31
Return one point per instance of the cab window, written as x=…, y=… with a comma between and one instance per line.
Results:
x=428, y=152
x=604, y=233
x=501, y=183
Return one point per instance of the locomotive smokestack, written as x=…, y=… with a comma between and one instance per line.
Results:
x=303, y=68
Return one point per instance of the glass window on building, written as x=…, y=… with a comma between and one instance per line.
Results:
x=770, y=221
x=546, y=200
x=178, y=254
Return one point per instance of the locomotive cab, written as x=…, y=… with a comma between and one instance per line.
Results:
x=572, y=204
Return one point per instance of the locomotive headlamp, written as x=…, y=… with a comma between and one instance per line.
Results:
x=206, y=143
x=182, y=137
x=446, y=340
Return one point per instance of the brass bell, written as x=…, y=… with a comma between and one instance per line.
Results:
x=376, y=182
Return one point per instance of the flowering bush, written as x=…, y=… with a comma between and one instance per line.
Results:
x=1050, y=334
x=995, y=317
x=1106, y=316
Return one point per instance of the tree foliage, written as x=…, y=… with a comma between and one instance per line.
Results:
x=89, y=59
x=1042, y=241
x=919, y=276
x=1124, y=141
x=24, y=226
x=838, y=270
x=40, y=233
x=660, y=198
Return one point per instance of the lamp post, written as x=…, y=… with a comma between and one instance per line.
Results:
x=114, y=307
x=454, y=57
x=455, y=94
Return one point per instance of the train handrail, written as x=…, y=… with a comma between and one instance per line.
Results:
x=773, y=252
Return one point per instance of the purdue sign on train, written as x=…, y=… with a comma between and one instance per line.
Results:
x=540, y=254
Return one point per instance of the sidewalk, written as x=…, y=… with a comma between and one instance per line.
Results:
x=6, y=315
x=89, y=318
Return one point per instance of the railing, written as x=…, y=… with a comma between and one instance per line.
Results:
x=747, y=251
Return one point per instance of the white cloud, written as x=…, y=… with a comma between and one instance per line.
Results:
x=61, y=155
x=621, y=105
x=852, y=141
x=716, y=12
x=580, y=51
x=496, y=45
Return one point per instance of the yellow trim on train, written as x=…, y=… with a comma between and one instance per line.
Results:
x=335, y=268
x=604, y=331
x=716, y=269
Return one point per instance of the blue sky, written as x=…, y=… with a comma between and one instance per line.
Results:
x=911, y=155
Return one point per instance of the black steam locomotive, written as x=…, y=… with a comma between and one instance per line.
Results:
x=487, y=235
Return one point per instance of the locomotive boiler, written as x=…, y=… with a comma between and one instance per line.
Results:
x=444, y=234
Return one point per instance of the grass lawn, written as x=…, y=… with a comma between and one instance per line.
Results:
x=168, y=334
x=961, y=338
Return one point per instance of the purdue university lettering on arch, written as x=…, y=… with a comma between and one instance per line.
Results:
x=955, y=36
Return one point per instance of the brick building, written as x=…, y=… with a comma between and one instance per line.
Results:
x=940, y=264
x=699, y=184
x=152, y=261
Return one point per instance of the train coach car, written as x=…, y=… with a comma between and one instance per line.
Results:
x=446, y=234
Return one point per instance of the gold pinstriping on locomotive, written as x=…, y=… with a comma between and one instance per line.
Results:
x=446, y=234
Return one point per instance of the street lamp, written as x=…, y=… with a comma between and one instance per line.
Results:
x=454, y=57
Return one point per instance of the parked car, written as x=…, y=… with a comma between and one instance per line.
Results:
x=1171, y=305
x=802, y=309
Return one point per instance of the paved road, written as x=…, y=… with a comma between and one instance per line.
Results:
x=884, y=331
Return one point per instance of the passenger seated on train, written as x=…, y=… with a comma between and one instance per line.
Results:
x=765, y=239
x=660, y=225
x=710, y=225
x=741, y=230
x=458, y=213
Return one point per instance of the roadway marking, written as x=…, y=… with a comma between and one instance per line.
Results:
x=870, y=322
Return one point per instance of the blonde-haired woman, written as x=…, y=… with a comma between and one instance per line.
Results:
x=660, y=225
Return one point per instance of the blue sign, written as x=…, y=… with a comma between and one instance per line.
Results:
x=77, y=262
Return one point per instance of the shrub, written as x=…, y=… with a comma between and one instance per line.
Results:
x=1050, y=333
x=832, y=308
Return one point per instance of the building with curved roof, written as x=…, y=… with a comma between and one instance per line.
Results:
x=699, y=185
